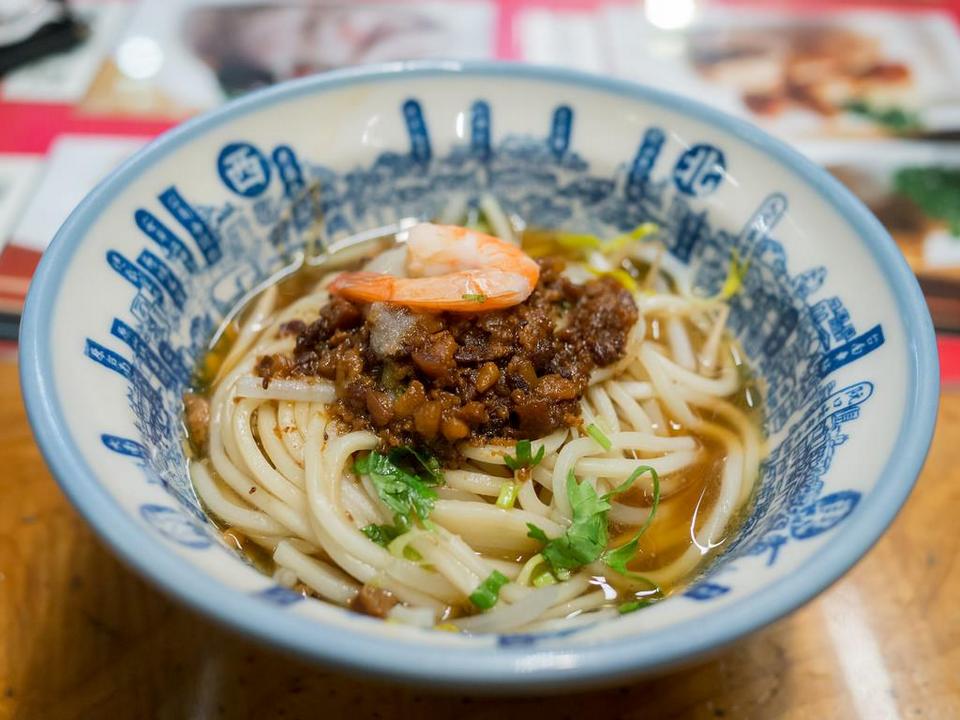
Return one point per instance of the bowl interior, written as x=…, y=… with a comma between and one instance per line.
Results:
x=143, y=272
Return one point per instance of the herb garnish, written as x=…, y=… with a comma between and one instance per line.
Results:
x=385, y=534
x=508, y=495
x=381, y=534
x=488, y=592
x=618, y=558
x=475, y=297
x=426, y=460
x=586, y=538
x=585, y=541
x=400, y=489
x=524, y=457
x=597, y=434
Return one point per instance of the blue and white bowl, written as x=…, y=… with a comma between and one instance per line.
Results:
x=142, y=272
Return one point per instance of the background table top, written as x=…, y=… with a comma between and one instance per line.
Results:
x=83, y=637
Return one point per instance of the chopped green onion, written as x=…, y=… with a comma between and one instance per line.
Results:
x=597, y=434
x=475, y=297
x=508, y=495
x=475, y=221
x=524, y=456
x=543, y=579
x=488, y=592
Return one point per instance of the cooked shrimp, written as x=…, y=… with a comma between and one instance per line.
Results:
x=452, y=269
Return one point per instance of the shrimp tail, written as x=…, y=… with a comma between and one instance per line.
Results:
x=364, y=286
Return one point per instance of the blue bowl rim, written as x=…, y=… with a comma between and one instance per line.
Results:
x=479, y=667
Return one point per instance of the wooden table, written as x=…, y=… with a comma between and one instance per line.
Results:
x=83, y=637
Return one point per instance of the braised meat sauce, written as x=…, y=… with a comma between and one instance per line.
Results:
x=438, y=379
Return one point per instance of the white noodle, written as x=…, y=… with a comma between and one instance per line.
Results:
x=251, y=386
x=234, y=515
x=416, y=616
x=326, y=581
x=680, y=346
x=270, y=434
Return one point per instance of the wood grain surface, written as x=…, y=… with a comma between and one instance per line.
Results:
x=83, y=637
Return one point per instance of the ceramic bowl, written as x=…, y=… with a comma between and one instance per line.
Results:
x=830, y=317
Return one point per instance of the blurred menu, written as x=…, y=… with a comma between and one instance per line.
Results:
x=871, y=94
x=869, y=90
x=845, y=74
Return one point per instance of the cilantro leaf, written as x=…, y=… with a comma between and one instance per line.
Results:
x=475, y=297
x=361, y=466
x=617, y=558
x=524, y=456
x=488, y=592
x=536, y=533
x=399, y=489
x=385, y=534
x=380, y=534
x=427, y=461
x=585, y=540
